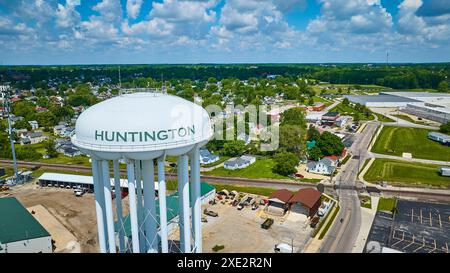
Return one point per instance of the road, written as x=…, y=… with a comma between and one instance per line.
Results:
x=419, y=160
x=343, y=234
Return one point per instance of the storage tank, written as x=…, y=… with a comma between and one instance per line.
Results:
x=142, y=129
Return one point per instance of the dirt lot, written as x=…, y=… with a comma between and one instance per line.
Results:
x=240, y=231
x=76, y=214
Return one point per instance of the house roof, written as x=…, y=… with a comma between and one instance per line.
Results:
x=16, y=223
x=282, y=195
x=307, y=197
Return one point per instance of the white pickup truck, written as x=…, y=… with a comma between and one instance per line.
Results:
x=324, y=207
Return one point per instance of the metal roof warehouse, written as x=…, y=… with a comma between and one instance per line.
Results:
x=20, y=232
x=74, y=179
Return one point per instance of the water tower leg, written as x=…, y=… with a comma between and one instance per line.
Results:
x=186, y=208
x=162, y=206
x=98, y=207
x=148, y=176
x=108, y=207
x=180, y=201
x=197, y=200
x=118, y=192
x=133, y=209
x=140, y=209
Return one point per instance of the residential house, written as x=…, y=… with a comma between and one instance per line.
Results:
x=58, y=129
x=239, y=163
x=324, y=166
x=67, y=131
x=207, y=158
x=34, y=124
x=71, y=151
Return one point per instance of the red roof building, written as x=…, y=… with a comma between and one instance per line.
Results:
x=308, y=199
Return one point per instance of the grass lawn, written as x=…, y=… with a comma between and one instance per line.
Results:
x=397, y=140
x=383, y=118
x=406, y=173
x=386, y=204
x=347, y=110
x=262, y=168
x=40, y=171
x=409, y=119
x=327, y=227
x=364, y=165
x=365, y=201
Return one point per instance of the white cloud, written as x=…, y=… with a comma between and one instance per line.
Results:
x=133, y=8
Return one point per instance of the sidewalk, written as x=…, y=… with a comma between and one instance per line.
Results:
x=315, y=243
x=367, y=217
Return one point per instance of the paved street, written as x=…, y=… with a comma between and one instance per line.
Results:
x=343, y=233
x=426, y=161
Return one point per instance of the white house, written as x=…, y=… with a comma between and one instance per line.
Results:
x=324, y=166
x=207, y=158
x=34, y=124
x=239, y=163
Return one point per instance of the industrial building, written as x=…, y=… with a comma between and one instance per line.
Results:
x=142, y=129
x=381, y=100
x=20, y=232
x=434, y=112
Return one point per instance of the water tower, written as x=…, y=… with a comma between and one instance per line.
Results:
x=142, y=129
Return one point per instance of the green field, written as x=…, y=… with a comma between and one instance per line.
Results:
x=404, y=173
x=409, y=119
x=383, y=118
x=386, y=204
x=347, y=110
x=397, y=140
x=262, y=168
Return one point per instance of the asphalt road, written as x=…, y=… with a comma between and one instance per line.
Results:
x=343, y=233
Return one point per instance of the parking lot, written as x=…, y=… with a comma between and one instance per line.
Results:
x=240, y=231
x=416, y=227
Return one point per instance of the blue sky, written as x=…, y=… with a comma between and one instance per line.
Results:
x=223, y=31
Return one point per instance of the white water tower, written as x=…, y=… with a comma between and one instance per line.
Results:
x=142, y=129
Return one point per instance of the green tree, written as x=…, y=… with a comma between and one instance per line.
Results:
x=443, y=86
x=233, y=148
x=313, y=133
x=315, y=153
x=445, y=128
x=292, y=139
x=286, y=163
x=345, y=101
x=50, y=148
x=46, y=119
x=294, y=116
x=22, y=124
x=330, y=144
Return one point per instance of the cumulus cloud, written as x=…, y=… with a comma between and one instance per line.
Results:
x=354, y=24
x=133, y=8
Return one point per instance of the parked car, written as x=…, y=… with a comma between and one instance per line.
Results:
x=235, y=203
x=314, y=221
x=210, y=213
x=240, y=206
x=284, y=248
x=255, y=206
x=324, y=207
x=267, y=223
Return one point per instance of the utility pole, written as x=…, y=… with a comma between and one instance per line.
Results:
x=6, y=91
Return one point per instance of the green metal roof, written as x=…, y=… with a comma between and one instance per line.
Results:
x=16, y=223
x=310, y=144
x=172, y=208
